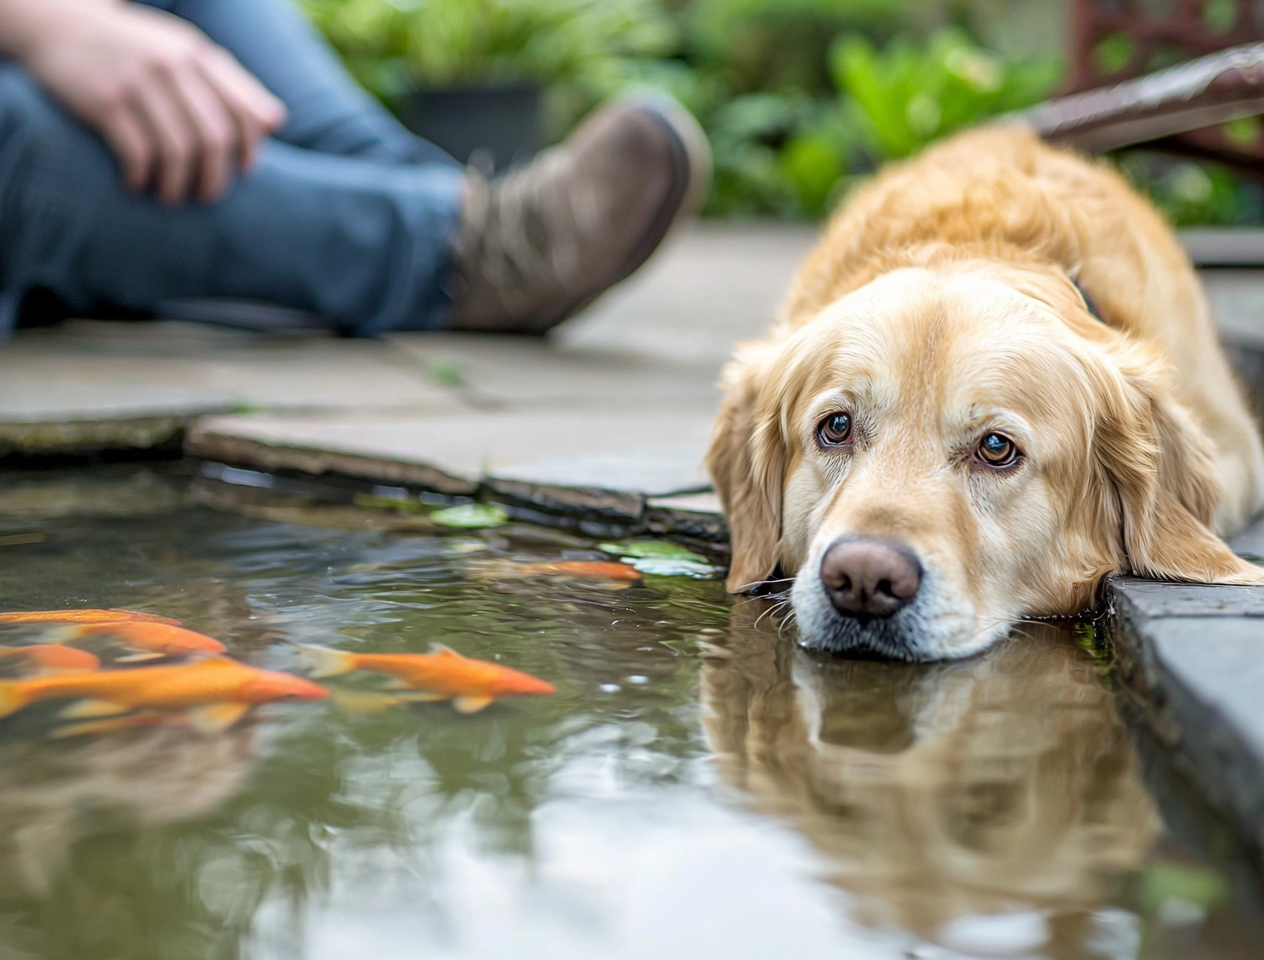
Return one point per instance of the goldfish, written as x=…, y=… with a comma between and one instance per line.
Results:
x=49, y=658
x=588, y=569
x=442, y=674
x=85, y=616
x=155, y=639
x=216, y=692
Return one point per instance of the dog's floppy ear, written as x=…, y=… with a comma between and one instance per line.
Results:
x=746, y=459
x=1163, y=473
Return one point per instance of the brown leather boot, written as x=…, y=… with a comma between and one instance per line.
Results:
x=542, y=242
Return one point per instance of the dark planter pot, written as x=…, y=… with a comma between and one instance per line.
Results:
x=490, y=125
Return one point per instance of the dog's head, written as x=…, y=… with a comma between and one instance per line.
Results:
x=942, y=452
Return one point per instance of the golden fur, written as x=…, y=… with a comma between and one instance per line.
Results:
x=941, y=305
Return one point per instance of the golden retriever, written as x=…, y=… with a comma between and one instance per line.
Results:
x=994, y=382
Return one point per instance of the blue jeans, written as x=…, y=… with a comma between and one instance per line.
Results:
x=347, y=216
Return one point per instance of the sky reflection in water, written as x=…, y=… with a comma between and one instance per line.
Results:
x=698, y=787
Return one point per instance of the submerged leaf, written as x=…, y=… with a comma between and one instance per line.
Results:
x=671, y=567
x=1162, y=882
x=471, y=515
x=632, y=550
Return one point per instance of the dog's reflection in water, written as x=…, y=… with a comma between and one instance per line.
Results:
x=59, y=794
x=938, y=794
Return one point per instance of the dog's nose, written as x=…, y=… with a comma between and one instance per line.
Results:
x=869, y=577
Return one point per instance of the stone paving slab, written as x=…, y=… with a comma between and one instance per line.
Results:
x=572, y=454
x=709, y=288
x=489, y=371
x=110, y=385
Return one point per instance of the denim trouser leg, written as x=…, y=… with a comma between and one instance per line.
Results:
x=346, y=215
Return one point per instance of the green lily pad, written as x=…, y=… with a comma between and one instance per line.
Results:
x=650, y=550
x=671, y=567
x=471, y=516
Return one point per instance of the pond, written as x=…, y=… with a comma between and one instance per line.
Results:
x=697, y=787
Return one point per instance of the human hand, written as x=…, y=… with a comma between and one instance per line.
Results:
x=179, y=112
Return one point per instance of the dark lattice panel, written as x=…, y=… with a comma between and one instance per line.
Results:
x=1115, y=40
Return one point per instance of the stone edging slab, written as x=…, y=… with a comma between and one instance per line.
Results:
x=84, y=437
x=1192, y=657
x=272, y=457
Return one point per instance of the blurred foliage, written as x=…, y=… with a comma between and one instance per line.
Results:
x=910, y=94
x=791, y=152
x=581, y=50
x=801, y=98
x=1193, y=192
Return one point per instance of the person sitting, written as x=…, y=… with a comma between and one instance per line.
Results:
x=155, y=153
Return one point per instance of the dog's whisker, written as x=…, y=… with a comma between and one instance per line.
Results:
x=772, y=609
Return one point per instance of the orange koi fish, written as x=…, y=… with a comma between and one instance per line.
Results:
x=588, y=569
x=155, y=639
x=50, y=658
x=442, y=674
x=216, y=692
x=84, y=616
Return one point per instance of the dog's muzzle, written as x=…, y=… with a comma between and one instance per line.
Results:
x=870, y=605
x=869, y=577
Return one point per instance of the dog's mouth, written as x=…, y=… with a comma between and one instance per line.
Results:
x=895, y=637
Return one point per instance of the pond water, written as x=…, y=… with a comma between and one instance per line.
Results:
x=698, y=787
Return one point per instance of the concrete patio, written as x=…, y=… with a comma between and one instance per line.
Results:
x=600, y=428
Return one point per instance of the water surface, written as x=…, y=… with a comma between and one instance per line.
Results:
x=698, y=787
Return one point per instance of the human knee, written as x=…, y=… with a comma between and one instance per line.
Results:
x=25, y=111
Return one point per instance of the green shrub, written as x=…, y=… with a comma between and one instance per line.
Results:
x=1193, y=192
x=583, y=49
x=909, y=94
x=777, y=45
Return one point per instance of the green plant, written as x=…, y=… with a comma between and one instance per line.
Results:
x=778, y=45
x=907, y=95
x=1191, y=192
x=392, y=44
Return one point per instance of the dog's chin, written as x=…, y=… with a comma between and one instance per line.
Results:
x=921, y=631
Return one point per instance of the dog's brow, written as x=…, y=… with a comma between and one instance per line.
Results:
x=832, y=400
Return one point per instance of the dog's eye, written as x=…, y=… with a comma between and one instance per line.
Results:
x=998, y=450
x=834, y=430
